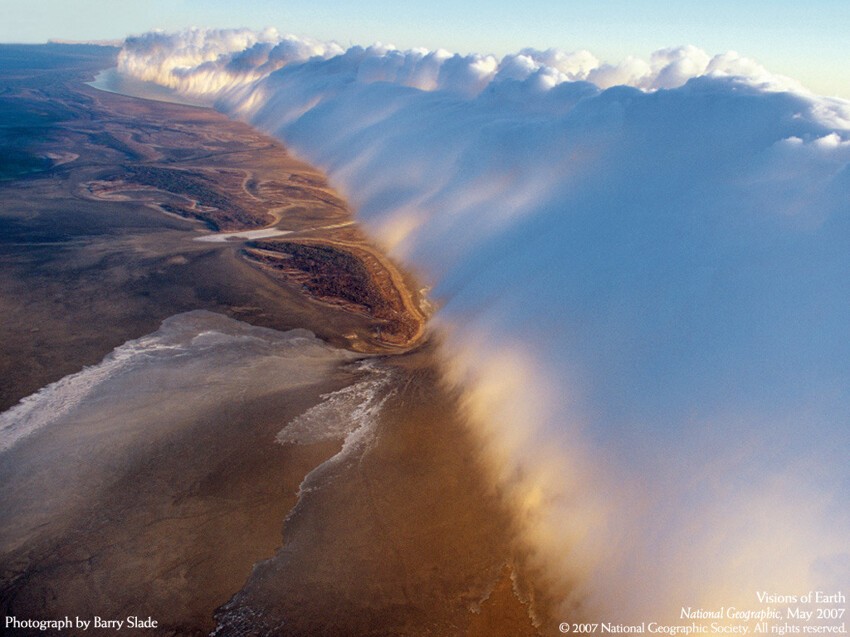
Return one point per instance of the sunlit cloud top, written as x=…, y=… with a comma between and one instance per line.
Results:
x=806, y=41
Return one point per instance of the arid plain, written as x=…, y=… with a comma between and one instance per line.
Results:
x=193, y=516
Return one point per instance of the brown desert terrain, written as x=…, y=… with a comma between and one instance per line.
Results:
x=166, y=495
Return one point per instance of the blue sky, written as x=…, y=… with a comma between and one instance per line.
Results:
x=807, y=41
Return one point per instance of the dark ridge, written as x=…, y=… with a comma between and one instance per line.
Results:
x=331, y=274
x=226, y=213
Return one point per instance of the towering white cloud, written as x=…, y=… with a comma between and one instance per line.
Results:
x=643, y=275
x=201, y=61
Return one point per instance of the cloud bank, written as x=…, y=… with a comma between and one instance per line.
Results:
x=643, y=277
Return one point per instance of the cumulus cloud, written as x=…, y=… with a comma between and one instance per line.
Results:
x=202, y=61
x=206, y=61
x=643, y=275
